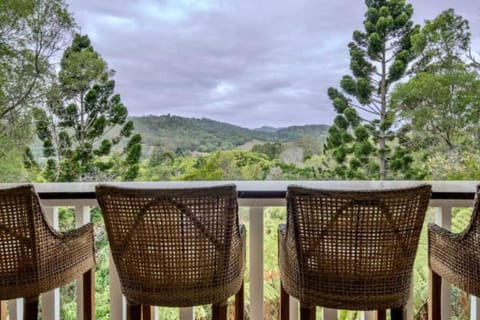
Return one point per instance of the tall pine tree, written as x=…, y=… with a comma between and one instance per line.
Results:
x=84, y=119
x=363, y=141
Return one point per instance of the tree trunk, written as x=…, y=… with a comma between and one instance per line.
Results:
x=383, y=113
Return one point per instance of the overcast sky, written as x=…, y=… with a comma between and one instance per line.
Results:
x=245, y=62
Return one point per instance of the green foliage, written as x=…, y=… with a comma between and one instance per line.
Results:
x=189, y=135
x=442, y=42
x=31, y=33
x=15, y=132
x=440, y=105
x=270, y=149
x=454, y=166
x=81, y=109
x=362, y=140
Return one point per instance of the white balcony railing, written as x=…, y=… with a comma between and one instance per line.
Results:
x=256, y=195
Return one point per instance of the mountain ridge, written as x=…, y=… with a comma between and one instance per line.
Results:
x=171, y=132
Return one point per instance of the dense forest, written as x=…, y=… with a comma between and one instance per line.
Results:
x=408, y=109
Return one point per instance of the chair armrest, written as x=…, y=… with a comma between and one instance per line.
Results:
x=435, y=229
x=444, y=247
x=84, y=231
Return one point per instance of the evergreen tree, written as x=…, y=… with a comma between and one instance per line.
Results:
x=78, y=127
x=363, y=140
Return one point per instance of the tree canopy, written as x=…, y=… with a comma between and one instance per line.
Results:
x=81, y=109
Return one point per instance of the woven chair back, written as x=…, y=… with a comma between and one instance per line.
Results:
x=18, y=218
x=169, y=244
x=352, y=243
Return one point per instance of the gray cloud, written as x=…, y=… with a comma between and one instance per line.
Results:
x=250, y=63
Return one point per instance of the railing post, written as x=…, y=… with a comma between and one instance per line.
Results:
x=443, y=217
x=294, y=305
x=367, y=315
x=409, y=306
x=187, y=314
x=329, y=314
x=117, y=310
x=51, y=299
x=474, y=308
x=15, y=309
x=256, y=262
x=82, y=217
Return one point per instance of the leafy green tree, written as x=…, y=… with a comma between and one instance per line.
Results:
x=11, y=157
x=32, y=32
x=441, y=103
x=363, y=140
x=271, y=149
x=84, y=119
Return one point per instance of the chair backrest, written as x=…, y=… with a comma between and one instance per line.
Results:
x=19, y=217
x=357, y=235
x=162, y=238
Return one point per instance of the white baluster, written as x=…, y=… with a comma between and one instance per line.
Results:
x=294, y=305
x=409, y=306
x=367, y=315
x=15, y=309
x=82, y=217
x=443, y=217
x=256, y=262
x=187, y=314
x=117, y=303
x=329, y=314
x=51, y=299
x=474, y=308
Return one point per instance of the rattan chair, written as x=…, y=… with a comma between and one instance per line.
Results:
x=176, y=247
x=454, y=257
x=350, y=250
x=34, y=258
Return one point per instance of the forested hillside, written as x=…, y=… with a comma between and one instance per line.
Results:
x=174, y=133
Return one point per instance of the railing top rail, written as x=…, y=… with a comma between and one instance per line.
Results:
x=461, y=190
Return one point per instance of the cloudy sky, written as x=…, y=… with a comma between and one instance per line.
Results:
x=246, y=62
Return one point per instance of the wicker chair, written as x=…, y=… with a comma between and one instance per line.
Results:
x=176, y=247
x=454, y=257
x=34, y=258
x=350, y=250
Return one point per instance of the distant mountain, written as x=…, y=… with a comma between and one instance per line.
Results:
x=266, y=129
x=295, y=132
x=206, y=135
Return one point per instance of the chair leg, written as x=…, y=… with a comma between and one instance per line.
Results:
x=219, y=311
x=88, y=280
x=240, y=304
x=134, y=311
x=284, y=304
x=397, y=313
x=434, y=296
x=30, y=309
x=147, y=311
x=307, y=312
x=381, y=314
